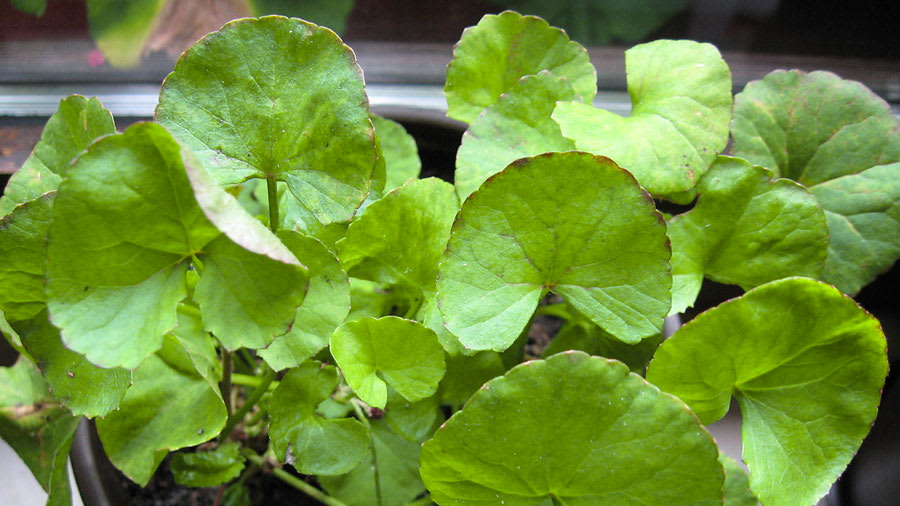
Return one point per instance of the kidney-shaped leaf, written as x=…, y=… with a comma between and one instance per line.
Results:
x=124, y=222
x=681, y=105
x=311, y=443
x=323, y=310
x=516, y=126
x=574, y=430
x=571, y=223
x=170, y=406
x=208, y=469
x=374, y=353
x=75, y=124
x=843, y=143
x=277, y=98
x=492, y=55
x=806, y=365
x=746, y=229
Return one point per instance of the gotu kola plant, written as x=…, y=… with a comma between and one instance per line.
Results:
x=260, y=264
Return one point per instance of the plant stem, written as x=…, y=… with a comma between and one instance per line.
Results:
x=245, y=380
x=226, y=380
x=295, y=482
x=272, y=187
x=251, y=401
x=365, y=420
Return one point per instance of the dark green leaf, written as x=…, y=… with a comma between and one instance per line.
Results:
x=124, y=223
x=199, y=345
x=746, y=229
x=300, y=437
x=492, y=56
x=38, y=429
x=325, y=307
x=413, y=421
x=23, y=257
x=401, y=155
x=77, y=122
x=570, y=223
x=737, y=484
x=398, y=473
x=681, y=105
x=121, y=29
x=277, y=98
x=843, y=143
x=77, y=384
x=516, y=126
x=574, y=430
x=170, y=406
x=466, y=374
x=11, y=336
x=806, y=365
x=390, y=351
x=207, y=469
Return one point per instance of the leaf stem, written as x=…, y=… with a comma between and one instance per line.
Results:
x=226, y=380
x=293, y=481
x=272, y=187
x=251, y=401
x=247, y=380
x=365, y=420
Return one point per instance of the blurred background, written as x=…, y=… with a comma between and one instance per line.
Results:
x=120, y=51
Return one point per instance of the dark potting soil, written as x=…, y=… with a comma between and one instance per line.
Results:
x=265, y=490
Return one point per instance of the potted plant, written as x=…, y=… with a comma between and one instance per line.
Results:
x=257, y=281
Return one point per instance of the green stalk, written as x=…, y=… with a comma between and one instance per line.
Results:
x=247, y=380
x=365, y=420
x=245, y=408
x=295, y=482
x=272, y=187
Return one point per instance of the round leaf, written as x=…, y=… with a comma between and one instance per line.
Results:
x=843, y=143
x=277, y=98
x=681, y=105
x=806, y=365
x=574, y=430
x=124, y=221
x=746, y=229
x=323, y=310
x=492, y=56
x=570, y=223
x=373, y=354
x=401, y=155
x=170, y=406
x=314, y=444
x=516, y=126
x=75, y=124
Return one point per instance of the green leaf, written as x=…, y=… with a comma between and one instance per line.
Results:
x=323, y=310
x=77, y=384
x=236, y=494
x=843, y=143
x=23, y=257
x=170, y=406
x=77, y=122
x=11, y=336
x=598, y=23
x=574, y=430
x=681, y=105
x=208, y=469
x=35, y=7
x=398, y=473
x=746, y=229
x=516, y=126
x=124, y=223
x=247, y=299
x=121, y=30
x=199, y=345
x=277, y=98
x=737, y=485
x=413, y=421
x=300, y=437
x=330, y=13
x=492, y=56
x=401, y=155
x=369, y=300
x=376, y=353
x=806, y=365
x=515, y=239
x=37, y=428
x=466, y=374
x=399, y=239
x=580, y=333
